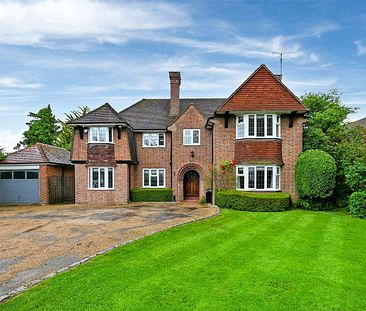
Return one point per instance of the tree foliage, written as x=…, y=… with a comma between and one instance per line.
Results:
x=357, y=204
x=42, y=128
x=2, y=153
x=65, y=136
x=327, y=130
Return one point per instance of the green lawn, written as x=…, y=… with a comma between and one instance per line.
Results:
x=294, y=260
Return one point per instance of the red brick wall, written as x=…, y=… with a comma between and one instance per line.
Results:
x=291, y=148
x=119, y=195
x=101, y=155
x=182, y=154
x=121, y=146
x=151, y=158
x=224, y=139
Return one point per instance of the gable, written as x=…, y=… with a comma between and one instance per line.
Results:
x=262, y=91
x=189, y=118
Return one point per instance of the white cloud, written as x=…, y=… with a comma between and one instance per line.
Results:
x=36, y=22
x=9, y=139
x=361, y=47
x=11, y=82
x=311, y=83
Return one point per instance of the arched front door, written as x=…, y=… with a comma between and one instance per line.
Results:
x=191, y=185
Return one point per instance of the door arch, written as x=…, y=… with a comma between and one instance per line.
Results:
x=191, y=185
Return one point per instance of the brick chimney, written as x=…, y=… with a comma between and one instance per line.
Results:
x=175, y=79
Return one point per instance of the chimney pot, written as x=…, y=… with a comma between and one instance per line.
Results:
x=175, y=80
x=279, y=77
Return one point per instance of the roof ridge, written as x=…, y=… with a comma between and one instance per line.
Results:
x=41, y=151
x=53, y=146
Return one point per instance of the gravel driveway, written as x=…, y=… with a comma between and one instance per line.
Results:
x=38, y=240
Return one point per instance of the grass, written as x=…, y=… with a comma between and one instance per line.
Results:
x=298, y=260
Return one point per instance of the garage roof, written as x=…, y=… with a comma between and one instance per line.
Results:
x=39, y=153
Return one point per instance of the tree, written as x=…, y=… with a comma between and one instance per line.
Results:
x=65, y=136
x=42, y=128
x=2, y=153
x=326, y=126
x=327, y=130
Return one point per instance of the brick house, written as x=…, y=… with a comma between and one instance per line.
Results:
x=175, y=143
x=28, y=176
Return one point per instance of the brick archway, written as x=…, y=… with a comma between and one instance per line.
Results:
x=181, y=173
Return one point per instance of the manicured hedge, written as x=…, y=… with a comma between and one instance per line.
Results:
x=315, y=174
x=254, y=202
x=357, y=204
x=152, y=195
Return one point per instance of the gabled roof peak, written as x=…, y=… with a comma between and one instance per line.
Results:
x=104, y=114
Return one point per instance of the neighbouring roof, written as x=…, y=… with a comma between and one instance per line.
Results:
x=39, y=154
x=263, y=91
x=102, y=115
x=153, y=114
x=361, y=122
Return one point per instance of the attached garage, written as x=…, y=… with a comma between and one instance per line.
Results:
x=19, y=185
x=40, y=174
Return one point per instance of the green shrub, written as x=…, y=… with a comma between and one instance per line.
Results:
x=152, y=195
x=357, y=204
x=315, y=174
x=254, y=202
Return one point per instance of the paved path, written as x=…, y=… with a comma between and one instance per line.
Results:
x=38, y=240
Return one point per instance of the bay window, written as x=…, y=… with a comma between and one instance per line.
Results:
x=153, y=140
x=258, y=177
x=101, y=135
x=101, y=178
x=191, y=137
x=258, y=126
x=153, y=178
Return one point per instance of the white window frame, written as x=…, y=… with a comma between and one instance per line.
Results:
x=276, y=175
x=276, y=124
x=190, y=131
x=158, y=180
x=106, y=178
x=109, y=140
x=148, y=136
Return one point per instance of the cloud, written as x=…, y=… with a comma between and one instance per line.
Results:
x=9, y=139
x=11, y=82
x=36, y=22
x=361, y=47
x=312, y=83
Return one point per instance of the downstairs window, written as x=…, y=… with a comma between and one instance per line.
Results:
x=258, y=177
x=101, y=178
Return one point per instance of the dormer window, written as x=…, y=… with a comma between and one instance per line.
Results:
x=101, y=135
x=258, y=126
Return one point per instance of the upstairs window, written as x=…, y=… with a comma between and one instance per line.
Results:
x=258, y=178
x=153, y=140
x=191, y=137
x=101, y=135
x=258, y=126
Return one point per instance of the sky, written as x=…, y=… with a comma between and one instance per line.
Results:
x=84, y=53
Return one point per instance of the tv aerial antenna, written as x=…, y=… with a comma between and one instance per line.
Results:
x=280, y=54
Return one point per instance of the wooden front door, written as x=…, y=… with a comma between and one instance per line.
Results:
x=191, y=184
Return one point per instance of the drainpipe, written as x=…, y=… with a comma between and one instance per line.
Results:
x=212, y=165
x=171, y=164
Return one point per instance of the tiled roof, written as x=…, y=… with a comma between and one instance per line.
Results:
x=39, y=153
x=361, y=122
x=153, y=114
x=263, y=91
x=104, y=114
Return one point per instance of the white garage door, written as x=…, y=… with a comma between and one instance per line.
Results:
x=19, y=186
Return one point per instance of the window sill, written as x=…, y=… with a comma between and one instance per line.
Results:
x=100, y=189
x=101, y=143
x=153, y=146
x=259, y=190
x=260, y=138
x=161, y=187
